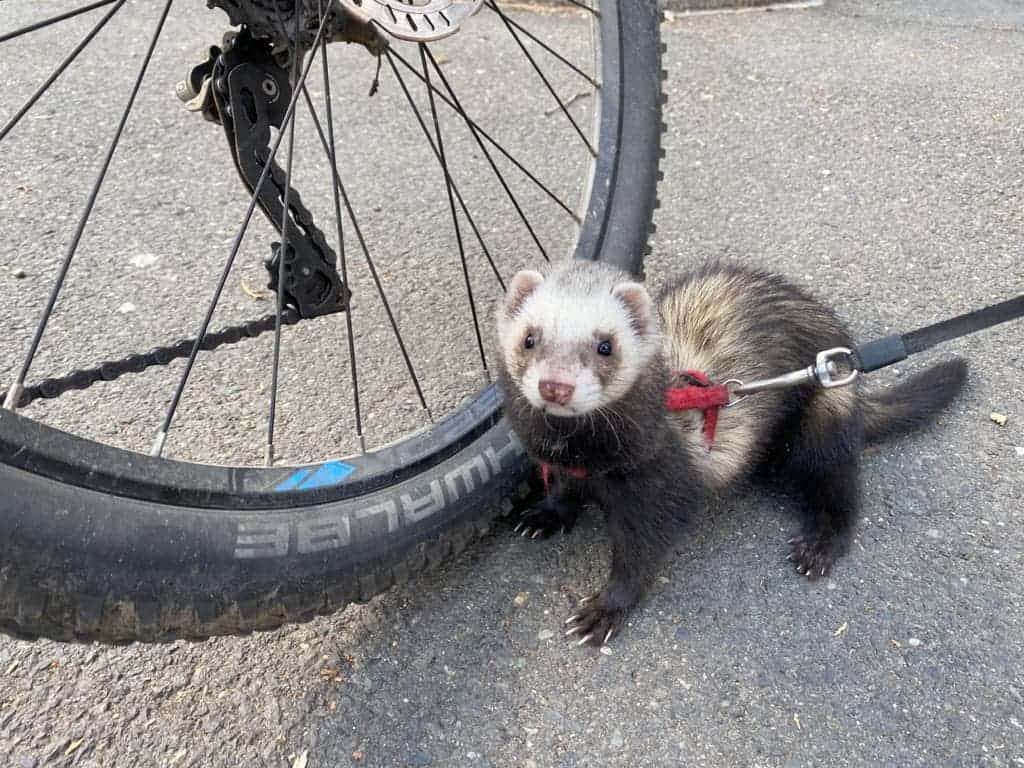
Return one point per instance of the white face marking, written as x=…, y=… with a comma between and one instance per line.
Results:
x=568, y=325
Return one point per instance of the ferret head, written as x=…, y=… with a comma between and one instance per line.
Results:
x=576, y=340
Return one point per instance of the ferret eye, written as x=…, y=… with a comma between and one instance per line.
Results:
x=529, y=341
x=604, y=348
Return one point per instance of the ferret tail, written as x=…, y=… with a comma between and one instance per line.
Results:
x=914, y=402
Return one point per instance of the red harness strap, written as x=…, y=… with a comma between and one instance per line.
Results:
x=699, y=394
x=545, y=473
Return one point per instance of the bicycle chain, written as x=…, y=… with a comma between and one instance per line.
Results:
x=110, y=370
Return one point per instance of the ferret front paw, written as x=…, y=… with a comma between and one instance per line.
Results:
x=546, y=519
x=812, y=555
x=595, y=622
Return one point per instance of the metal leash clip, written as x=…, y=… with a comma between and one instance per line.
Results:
x=832, y=368
x=826, y=367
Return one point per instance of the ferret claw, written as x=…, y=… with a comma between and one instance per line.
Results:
x=583, y=640
x=586, y=600
x=571, y=619
x=790, y=557
x=800, y=569
x=563, y=530
x=607, y=636
x=573, y=631
x=516, y=529
x=822, y=571
x=525, y=531
x=537, y=533
x=793, y=540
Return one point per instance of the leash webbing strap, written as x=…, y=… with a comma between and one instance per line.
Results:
x=891, y=349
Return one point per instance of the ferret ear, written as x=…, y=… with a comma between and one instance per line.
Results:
x=637, y=301
x=523, y=284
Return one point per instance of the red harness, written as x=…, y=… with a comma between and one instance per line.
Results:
x=697, y=393
x=701, y=395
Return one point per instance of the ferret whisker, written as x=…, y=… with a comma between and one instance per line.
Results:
x=611, y=426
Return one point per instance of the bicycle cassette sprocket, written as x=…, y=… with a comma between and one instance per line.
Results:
x=417, y=20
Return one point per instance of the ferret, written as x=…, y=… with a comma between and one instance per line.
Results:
x=584, y=361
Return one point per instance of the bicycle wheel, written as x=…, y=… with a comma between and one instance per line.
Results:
x=100, y=540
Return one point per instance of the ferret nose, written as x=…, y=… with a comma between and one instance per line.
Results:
x=556, y=391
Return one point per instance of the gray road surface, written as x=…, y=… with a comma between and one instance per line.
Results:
x=872, y=150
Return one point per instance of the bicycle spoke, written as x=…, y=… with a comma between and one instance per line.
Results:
x=369, y=260
x=490, y=160
x=14, y=394
x=161, y=437
x=297, y=54
x=349, y=334
x=54, y=19
x=543, y=77
x=494, y=7
x=494, y=143
x=455, y=215
x=558, y=187
x=59, y=70
x=458, y=195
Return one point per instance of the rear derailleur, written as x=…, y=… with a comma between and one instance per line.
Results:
x=243, y=87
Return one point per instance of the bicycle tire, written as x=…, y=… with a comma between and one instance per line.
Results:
x=101, y=544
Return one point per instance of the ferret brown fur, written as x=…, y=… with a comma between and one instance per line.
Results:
x=585, y=359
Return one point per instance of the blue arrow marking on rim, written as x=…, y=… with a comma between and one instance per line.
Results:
x=331, y=473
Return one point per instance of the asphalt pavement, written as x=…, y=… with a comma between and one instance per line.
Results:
x=872, y=150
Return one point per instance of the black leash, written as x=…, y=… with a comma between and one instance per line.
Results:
x=840, y=366
x=891, y=349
